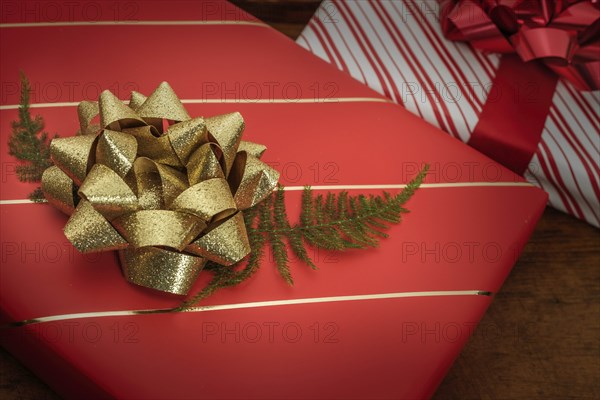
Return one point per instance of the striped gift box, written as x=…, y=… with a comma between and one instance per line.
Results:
x=398, y=49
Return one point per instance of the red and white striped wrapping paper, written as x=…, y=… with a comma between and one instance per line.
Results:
x=398, y=49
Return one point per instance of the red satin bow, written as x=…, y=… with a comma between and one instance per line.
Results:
x=564, y=34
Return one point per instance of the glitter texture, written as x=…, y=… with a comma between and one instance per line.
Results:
x=204, y=164
x=164, y=270
x=226, y=244
x=117, y=151
x=107, y=192
x=87, y=111
x=207, y=199
x=257, y=181
x=114, y=114
x=158, y=228
x=163, y=103
x=254, y=149
x=227, y=130
x=58, y=189
x=90, y=232
x=73, y=155
x=186, y=136
x=136, y=99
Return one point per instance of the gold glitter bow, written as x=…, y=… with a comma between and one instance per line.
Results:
x=168, y=198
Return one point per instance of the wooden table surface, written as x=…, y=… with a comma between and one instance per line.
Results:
x=540, y=338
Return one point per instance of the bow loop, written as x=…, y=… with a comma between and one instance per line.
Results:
x=163, y=103
x=115, y=115
x=117, y=151
x=226, y=130
x=73, y=155
x=107, y=192
x=87, y=111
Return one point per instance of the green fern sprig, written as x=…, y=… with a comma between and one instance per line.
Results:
x=295, y=237
x=29, y=143
x=335, y=222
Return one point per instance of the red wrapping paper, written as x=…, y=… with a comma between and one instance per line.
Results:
x=380, y=323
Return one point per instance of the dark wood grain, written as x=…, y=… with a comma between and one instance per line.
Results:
x=540, y=338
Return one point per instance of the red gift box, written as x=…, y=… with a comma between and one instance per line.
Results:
x=384, y=322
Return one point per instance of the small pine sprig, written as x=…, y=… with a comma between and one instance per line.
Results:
x=29, y=143
x=334, y=222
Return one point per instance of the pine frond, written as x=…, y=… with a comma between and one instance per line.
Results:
x=28, y=143
x=294, y=237
x=277, y=212
x=37, y=196
x=352, y=221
